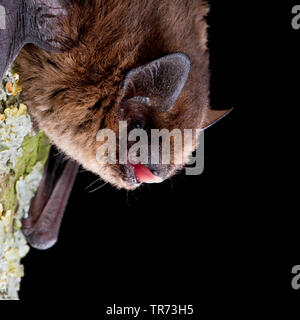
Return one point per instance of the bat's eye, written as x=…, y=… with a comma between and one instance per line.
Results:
x=137, y=124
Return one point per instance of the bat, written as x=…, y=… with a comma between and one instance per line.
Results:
x=87, y=65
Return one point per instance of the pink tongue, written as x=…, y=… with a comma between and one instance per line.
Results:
x=143, y=174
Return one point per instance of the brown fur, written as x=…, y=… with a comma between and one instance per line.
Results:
x=73, y=94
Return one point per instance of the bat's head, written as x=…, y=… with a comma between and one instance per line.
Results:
x=120, y=99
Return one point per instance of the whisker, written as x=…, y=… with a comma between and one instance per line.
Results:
x=127, y=199
x=172, y=183
x=99, y=187
x=134, y=196
x=183, y=178
x=92, y=183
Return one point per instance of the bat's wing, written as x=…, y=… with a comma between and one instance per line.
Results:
x=41, y=228
x=9, y=47
x=28, y=21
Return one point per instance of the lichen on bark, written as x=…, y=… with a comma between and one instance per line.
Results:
x=23, y=153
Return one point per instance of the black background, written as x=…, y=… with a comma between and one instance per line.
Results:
x=224, y=239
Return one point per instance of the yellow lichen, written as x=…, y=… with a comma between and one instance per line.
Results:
x=15, y=111
x=9, y=88
x=22, y=109
x=16, y=89
x=12, y=88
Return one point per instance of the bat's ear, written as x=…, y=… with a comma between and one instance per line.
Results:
x=213, y=116
x=43, y=20
x=159, y=83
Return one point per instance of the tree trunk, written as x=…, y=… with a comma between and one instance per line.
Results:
x=23, y=153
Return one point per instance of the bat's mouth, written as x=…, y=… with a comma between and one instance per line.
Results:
x=136, y=174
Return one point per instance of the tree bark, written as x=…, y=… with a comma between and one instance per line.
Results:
x=23, y=153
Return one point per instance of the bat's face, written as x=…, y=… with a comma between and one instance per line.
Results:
x=122, y=65
x=147, y=105
x=86, y=117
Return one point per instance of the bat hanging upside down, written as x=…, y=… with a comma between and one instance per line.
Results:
x=86, y=66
